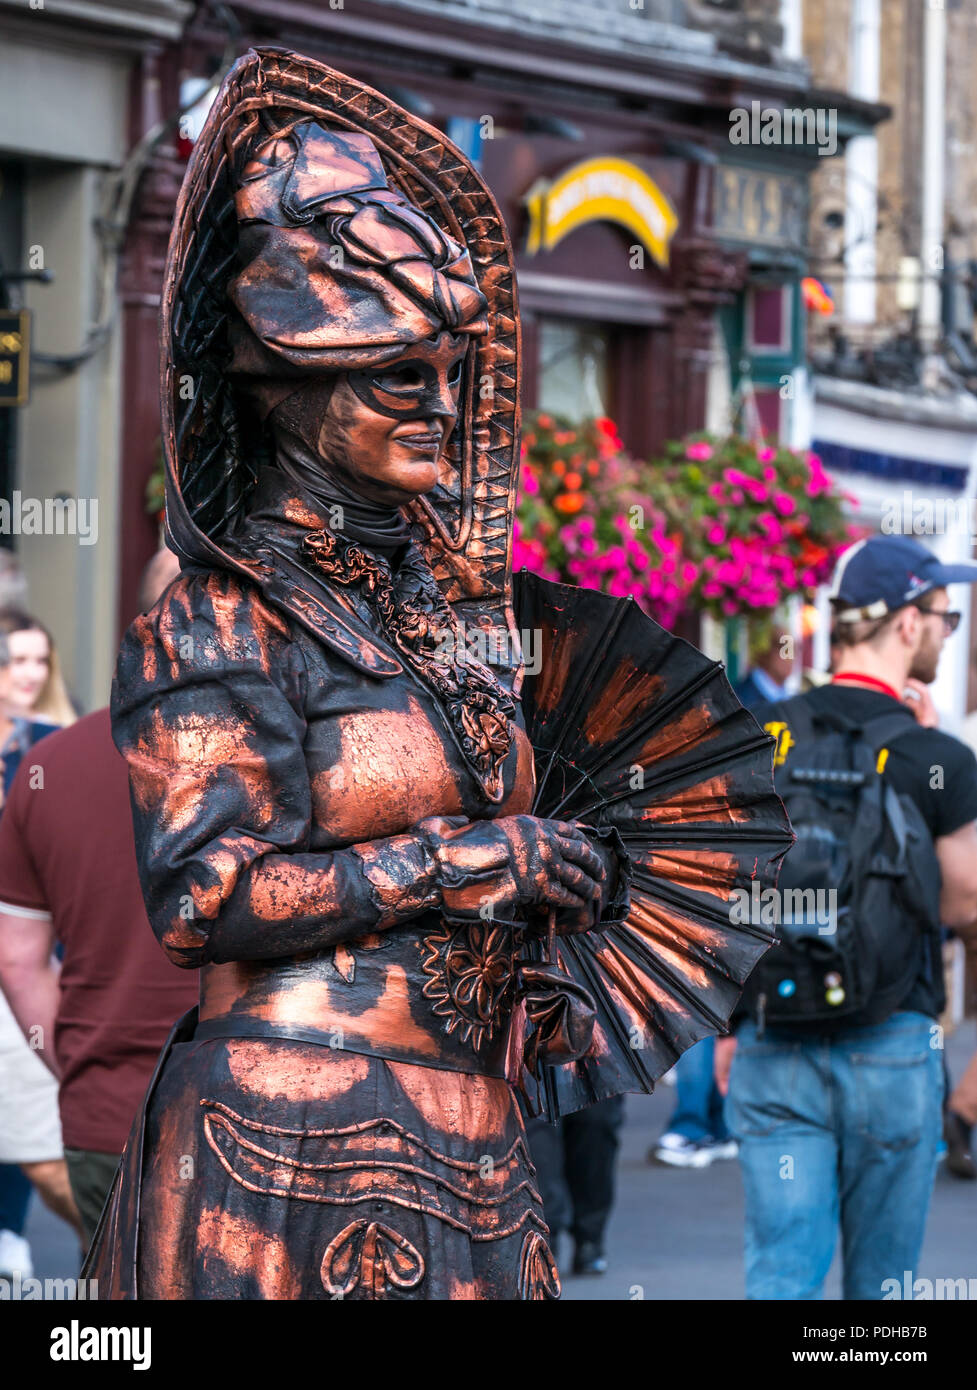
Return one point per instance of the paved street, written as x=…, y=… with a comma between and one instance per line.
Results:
x=676, y=1234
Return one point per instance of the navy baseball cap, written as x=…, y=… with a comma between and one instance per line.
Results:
x=879, y=575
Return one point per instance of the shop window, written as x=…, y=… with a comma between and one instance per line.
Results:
x=768, y=408
x=574, y=371
x=768, y=319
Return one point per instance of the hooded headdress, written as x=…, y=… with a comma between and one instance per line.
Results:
x=339, y=271
x=321, y=228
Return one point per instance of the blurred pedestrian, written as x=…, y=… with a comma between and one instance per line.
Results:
x=575, y=1162
x=767, y=678
x=32, y=705
x=838, y=1113
x=960, y=1111
x=697, y=1134
x=69, y=875
x=31, y=683
x=13, y=581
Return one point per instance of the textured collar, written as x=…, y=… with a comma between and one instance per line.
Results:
x=266, y=545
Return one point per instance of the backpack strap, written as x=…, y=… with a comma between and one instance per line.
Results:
x=795, y=713
x=886, y=728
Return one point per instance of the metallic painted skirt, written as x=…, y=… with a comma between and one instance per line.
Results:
x=284, y=1170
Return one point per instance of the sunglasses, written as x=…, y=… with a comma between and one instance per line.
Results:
x=951, y=621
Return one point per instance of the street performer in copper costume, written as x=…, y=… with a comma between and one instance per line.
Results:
x=331, y=796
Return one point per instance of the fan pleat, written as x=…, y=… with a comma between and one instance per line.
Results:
x=616, y=692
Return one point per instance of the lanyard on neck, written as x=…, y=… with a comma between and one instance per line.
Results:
x=858, y=679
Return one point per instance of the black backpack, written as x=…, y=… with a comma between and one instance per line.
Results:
x=858, y=896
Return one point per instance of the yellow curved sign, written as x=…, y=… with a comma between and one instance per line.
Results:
x=601, y=190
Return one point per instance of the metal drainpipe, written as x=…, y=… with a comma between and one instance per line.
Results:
x=933, y=153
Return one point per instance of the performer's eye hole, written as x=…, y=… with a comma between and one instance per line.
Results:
x=454, y=376
x=399, y=379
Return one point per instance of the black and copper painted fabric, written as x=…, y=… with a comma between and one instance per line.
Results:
x=321, y=794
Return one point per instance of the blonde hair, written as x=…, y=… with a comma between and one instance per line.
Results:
x=53, y=703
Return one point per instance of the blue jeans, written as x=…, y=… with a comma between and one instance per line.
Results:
x=838, y=1133
x=15, y=1196
x=698, y=1104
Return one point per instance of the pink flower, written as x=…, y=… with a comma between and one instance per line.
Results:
x=785, y=505
x=530, y=483
x=699, y=451
x=766, y=454
x=716, y=534
x=770, y=474
x=531, y=555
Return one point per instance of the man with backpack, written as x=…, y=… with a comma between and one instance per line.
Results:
x=836, y=1090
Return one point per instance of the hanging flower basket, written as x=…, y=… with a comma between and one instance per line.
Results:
x=724, y=527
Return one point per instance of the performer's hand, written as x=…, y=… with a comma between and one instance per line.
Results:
x=570, y=921
x=515, y=862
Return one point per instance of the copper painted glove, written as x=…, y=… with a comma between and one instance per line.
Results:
x=513, y=863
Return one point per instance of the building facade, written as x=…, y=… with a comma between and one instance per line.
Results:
x=67, y=76
x=658, y=257
x=894, y=234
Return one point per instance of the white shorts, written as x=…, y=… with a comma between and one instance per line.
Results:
x=30, y=1125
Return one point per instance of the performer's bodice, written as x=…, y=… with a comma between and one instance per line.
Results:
x=380, y=758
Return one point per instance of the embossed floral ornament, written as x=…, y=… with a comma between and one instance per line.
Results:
x=470, y=972
x=370, y=1256
x=488, y=732
x=538, y=1276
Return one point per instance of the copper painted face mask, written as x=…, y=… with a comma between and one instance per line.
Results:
x=423, y=386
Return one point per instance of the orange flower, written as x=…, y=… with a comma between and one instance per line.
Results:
x=545, y=422
x=568, y=503
x=572, y=482
x=593, y=468
x=559, y=467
